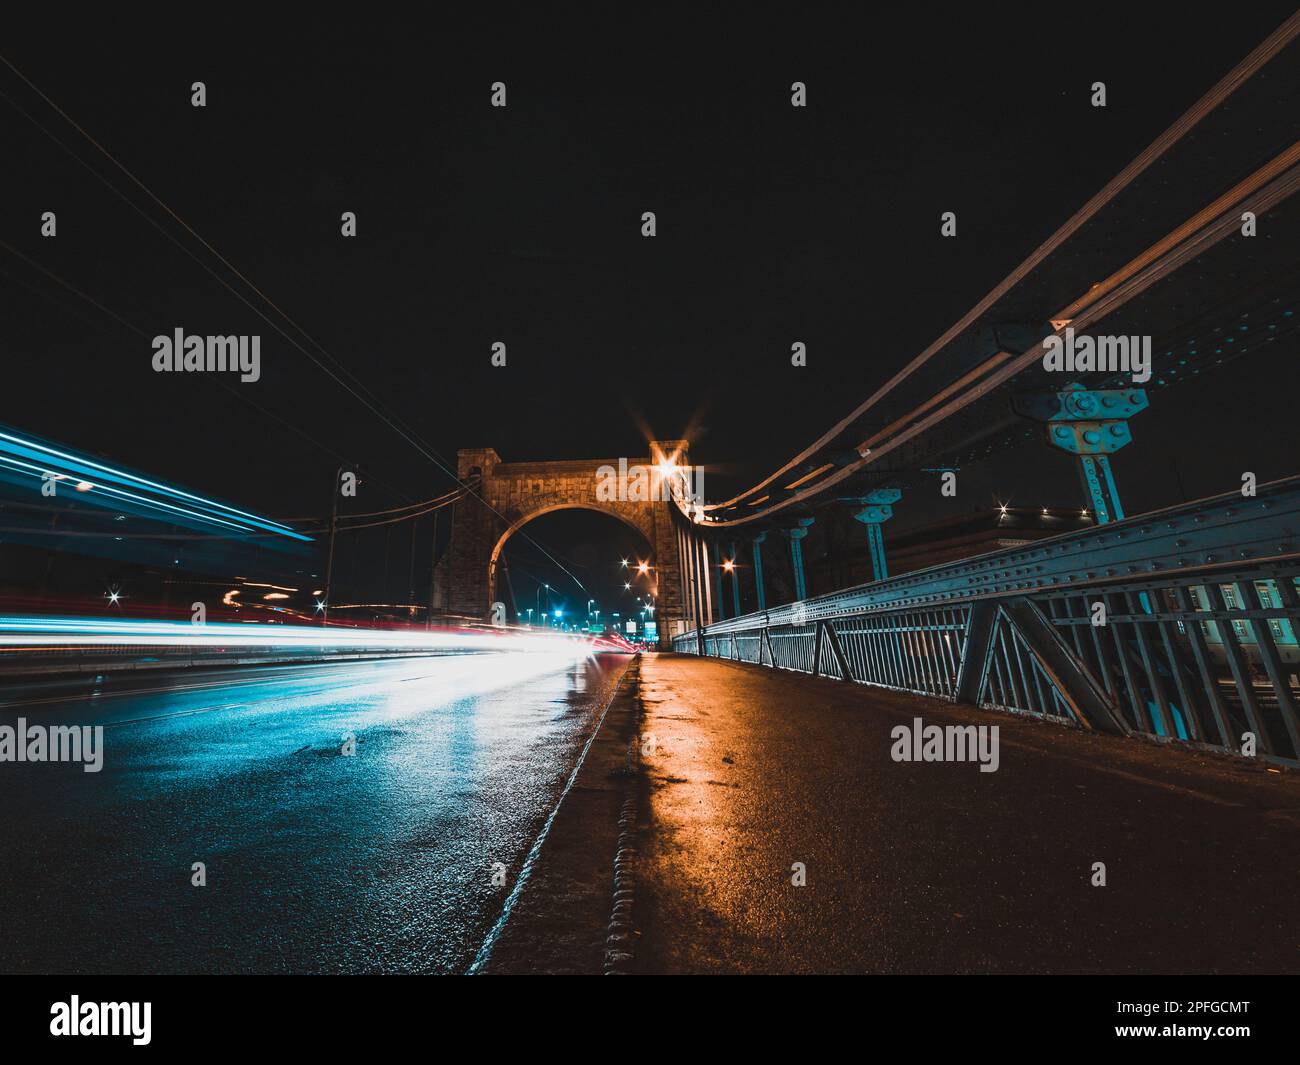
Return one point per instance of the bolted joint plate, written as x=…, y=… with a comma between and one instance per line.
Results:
x=1081, y=404
x=1089, y=438
x=876, y=495
x=874, y=514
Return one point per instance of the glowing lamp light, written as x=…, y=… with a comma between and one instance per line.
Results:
x=643, y=567
x=728, y=565
x=84, y=486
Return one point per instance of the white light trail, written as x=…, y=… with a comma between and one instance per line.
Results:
x=37, y=632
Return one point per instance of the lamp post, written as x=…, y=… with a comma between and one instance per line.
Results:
x=328, y=589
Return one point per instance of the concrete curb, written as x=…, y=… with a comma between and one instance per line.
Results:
x=620, y=943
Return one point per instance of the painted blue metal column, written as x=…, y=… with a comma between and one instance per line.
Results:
x=735, y=580
x=796, y=535
x=757, y=544
x=1091, y=425
x=717, y=579
x=877, y=508
x=698, y=594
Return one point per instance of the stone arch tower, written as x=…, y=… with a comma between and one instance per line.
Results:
x=511, y=494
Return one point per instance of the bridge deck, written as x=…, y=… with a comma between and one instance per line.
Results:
x=936, y=866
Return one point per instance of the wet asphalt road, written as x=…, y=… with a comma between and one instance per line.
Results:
x=316, y=862
x=934, y=867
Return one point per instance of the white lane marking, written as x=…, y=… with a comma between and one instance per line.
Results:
x=176, y=713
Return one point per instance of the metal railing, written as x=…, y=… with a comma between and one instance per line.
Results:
x=1180, y=624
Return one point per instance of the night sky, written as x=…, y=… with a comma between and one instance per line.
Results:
x=522, y=225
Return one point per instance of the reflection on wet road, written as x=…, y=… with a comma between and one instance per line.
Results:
x=315, y=861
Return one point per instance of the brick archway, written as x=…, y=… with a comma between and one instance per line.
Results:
x=511, y=494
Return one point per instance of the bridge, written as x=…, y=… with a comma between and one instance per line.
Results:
x=1070, y=748
x=1178, y=625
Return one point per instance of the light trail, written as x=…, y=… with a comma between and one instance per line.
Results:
x=78, y=467
x=44, y=632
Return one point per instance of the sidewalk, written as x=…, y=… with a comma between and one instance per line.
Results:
x=935, y=866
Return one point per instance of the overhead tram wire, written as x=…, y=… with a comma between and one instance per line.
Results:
x=357, y=389
x=130, y=327
x=425, y=506
x=428, y=506
x=241, y=395
x=355, y=386
x=153, y=222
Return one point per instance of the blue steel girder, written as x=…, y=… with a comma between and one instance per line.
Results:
x=1184, y=539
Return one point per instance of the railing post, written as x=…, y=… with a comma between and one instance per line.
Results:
x=975, y=651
